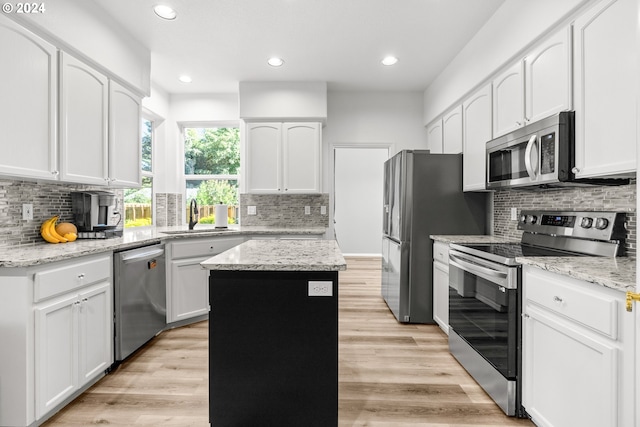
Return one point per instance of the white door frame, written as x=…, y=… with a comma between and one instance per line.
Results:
x=332, y=170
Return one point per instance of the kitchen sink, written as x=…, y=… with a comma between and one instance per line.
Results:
x=200, y=230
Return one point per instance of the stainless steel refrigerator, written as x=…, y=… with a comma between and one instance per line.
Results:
x=422, y=196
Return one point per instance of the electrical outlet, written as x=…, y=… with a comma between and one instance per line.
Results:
x=251, y=210
x=323, y=210
x=27, y=211
x=307, y=210
x=320, y=288
x=514, y=214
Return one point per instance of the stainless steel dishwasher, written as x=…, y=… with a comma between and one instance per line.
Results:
x=140, y=297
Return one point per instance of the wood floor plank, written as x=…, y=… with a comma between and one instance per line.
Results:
x=390, y=374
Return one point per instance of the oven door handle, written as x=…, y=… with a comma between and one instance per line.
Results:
x=474, y=268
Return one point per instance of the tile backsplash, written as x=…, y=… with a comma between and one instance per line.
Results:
x=285, y=210
x=48, y=199
x=288, y=210
x=593, y=198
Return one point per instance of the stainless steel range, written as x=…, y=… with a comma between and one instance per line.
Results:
x=484, y=296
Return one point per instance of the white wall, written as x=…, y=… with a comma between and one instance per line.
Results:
x=370, y=117
x=515, y=25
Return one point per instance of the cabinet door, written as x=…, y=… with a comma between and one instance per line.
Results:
x=124, y=137
x=569, y=378
x=95, y=331
x=434, y=137
x=452, y=131
x=441, y=295
x=28, y=103
x=83, y=123
x=476, y=131
x=264, y=157
x=301, y=157
x=548, y=77
x=508, y=100
x=604, y=80
x=189, y=289
x=56, y=352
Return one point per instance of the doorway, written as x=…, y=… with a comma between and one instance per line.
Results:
x=357, y=197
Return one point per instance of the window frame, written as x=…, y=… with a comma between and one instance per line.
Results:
x=153, y=119
x=194, y=177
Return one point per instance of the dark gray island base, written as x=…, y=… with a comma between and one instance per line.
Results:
x=273, y=335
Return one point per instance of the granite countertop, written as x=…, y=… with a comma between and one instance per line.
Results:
x=616, y=273
x=461, y=239
x=280, y=255
x=42, y=253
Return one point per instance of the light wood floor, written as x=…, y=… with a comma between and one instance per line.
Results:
x=391, y=375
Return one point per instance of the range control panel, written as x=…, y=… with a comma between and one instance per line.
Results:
x=586, y=225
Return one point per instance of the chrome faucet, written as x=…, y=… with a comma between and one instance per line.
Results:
x=193, y=210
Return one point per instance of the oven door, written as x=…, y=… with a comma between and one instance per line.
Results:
x=484, y=309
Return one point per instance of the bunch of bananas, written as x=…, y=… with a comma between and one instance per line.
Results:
x=49, y=233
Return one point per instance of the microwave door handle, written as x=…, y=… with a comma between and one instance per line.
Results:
x=527, y=157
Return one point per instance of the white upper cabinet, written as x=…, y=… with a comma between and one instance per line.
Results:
x=124, y=137
x=263, y=157
x=548, y=77
x=476, y=132
x=302, y=161
x=28, y=104
x=434, y=137
x=535, y=88
x=452, y=131
x=84, y=96
x=605, y=78
x=283, y=157
x=508, y=100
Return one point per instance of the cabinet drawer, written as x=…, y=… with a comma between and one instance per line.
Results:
x=203, y=247
x=576, y=301
x=441, y=252
x=66, y=276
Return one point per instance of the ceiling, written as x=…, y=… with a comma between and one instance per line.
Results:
x=222, y=42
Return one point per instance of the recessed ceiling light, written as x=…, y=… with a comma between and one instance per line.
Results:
x=275, y=62
x=389, y=60
x=185, y=79
x=165, y=12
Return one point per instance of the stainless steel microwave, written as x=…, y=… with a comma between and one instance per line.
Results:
x=540, y=154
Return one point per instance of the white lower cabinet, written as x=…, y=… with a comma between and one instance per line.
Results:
x=441, y=285
x=73, y=343
x=575, y=351
x=57, y=335
x=187, y=281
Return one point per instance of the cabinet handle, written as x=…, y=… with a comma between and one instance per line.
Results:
x=81, y=276
x=55, y=173
x=519, y=123
x=575, y=170
x=85, y=299
x=557, y=299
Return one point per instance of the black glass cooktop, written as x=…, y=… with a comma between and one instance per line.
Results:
x=506, y=253
x=513, y=250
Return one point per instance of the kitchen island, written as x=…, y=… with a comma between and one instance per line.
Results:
x=273, y=333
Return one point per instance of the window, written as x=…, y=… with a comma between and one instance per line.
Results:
x=212, y=169
x=138, y=204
